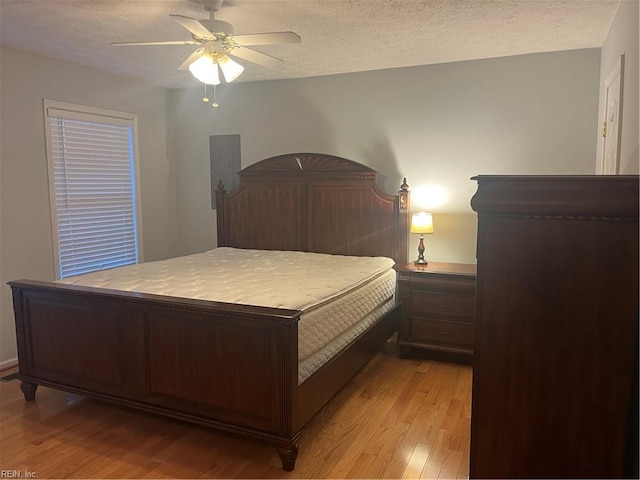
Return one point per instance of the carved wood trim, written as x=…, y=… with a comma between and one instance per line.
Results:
x=306, y=164
x=561, y=195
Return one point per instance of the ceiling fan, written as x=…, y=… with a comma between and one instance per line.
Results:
x=217, y=42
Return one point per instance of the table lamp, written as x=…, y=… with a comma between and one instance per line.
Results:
x=421, y=223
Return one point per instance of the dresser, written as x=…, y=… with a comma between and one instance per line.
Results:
x=555, y=366
x=438, y=301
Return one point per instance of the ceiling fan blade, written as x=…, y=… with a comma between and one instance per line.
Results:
x=193, y=25
x=176, y=42
x=267, y=38
x=256, y=57
x=191, y=58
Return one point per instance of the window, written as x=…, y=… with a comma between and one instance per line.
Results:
x=91, y=155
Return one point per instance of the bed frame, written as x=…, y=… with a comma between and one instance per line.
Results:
x=227, y=366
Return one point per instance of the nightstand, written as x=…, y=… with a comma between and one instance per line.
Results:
x=438, y=303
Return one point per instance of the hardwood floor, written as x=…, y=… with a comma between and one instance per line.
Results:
x=399, y=418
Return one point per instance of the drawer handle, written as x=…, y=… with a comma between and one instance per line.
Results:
x=442, y=332
x=443, y=306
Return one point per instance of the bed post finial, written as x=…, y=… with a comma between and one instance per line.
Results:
x=403, y=193
x=403, y=223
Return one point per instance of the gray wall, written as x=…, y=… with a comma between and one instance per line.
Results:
x=437, y=125
x=623, y=39
x=26, y=246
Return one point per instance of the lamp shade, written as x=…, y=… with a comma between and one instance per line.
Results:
x=205, y=69
x=422, y=223
x=230, y=69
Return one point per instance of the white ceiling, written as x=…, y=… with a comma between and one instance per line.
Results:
x=338, y=36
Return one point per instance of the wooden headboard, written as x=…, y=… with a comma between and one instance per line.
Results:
x=315, y=203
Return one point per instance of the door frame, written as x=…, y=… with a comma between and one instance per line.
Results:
x=614, y=167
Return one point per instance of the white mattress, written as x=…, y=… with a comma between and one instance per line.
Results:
x=313, y=362
x=318, y=328
x=334, y=292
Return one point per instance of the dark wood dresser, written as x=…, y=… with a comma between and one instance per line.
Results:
x=555, y=368
x=438, y=300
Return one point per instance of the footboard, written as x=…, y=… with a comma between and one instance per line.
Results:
x=229, y=366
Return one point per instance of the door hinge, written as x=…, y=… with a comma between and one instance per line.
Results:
x=604, y=129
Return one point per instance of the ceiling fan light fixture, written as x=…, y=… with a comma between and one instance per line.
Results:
x=230, y=69
x=216, y=39
x=205, y=69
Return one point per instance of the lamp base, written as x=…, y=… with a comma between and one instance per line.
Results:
x=421, y=260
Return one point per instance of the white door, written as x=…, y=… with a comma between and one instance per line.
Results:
x=610, y=164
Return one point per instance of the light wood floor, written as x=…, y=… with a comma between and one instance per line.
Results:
x=399, y=418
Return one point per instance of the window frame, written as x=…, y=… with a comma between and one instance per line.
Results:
x=99, y=115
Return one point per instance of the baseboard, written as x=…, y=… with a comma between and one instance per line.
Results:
x=7, y=364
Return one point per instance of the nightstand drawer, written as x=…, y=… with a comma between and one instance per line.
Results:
x=442, y=332
x=436, y=303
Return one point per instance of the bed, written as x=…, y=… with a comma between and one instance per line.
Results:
x=231, y=366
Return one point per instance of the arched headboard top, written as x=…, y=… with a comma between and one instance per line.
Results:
x=307, y=164
x=316, y=203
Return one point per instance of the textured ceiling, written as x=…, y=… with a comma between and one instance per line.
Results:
x=338, y=36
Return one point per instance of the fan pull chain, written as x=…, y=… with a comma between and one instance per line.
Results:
x=215, y=98
x=205, y=98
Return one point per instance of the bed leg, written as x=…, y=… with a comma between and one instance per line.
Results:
x=29, y=390
x=288, y=455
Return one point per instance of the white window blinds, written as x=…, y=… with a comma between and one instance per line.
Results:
x=92, y=176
